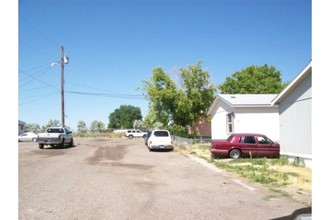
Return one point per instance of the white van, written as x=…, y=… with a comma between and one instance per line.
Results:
x=160, y=139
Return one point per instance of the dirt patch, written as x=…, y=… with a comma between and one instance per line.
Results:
x=132, y=165
x=108, y=153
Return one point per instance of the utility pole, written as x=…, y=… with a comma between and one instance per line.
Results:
x=64, y=60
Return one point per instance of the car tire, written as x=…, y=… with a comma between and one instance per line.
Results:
x=41, y=146
x=235, y=154
x=130, y=136
x=34, y=139
x=62, y=143
x=71, y=143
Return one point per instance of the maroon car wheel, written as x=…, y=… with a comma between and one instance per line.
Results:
x=235, y=154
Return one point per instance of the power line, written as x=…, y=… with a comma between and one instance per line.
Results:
x=123, y=96
x=90, y=87
x=38, y=97
x=37, y=30
x=41, y=72
x=36, y=79
x=32, y=48
x=108, y=94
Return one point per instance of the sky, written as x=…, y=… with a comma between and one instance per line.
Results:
x=114, y=45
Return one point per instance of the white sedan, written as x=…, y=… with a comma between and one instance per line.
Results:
x=28, y=136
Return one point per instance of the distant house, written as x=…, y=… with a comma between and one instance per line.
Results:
x=295, y=117
x=21, y=125
x=244, y=113
x=201, y=127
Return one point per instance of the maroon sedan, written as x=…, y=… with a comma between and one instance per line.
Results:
x=245, y=145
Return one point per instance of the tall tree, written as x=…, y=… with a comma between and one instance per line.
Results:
x=138, y=124
x=51, y=123
x=82, y=127
x=97, y=126
x=124, y=117
x=254, y=80
x=198, y=89
x=181, y=104
x=161, y=92
x=32, y=128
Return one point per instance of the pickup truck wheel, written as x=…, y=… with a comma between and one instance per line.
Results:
x=71, y=143
x=41, y=146
x=63, y=144
x=235, y=154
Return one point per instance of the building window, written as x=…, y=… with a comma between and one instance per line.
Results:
x=230, y=123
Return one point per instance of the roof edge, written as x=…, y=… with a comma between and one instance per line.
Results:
x=292, y=84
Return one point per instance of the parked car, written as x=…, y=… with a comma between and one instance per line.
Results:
x=160, y=139
x=28, y=136
x=245, y=145
x=135, y=133
x=146, y=137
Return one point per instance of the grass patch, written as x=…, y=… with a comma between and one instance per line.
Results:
x=277, y=173
x=99, y=135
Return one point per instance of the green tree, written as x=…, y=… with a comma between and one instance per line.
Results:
x=82, y=127
x=183, y=103
x=124, y=117
x=138, y=124
x=32, y=128
x=97, y=126
x=199, y=93
x=254, y=80
x=51, y=123
x=161, y=92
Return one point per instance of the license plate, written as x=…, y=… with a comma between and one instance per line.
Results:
x=161, y=146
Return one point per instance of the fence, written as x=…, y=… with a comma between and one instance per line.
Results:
x=188, y=141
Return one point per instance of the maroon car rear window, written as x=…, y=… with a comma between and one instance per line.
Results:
x=230, y=138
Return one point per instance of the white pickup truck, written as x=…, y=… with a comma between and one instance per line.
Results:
x=55, y=136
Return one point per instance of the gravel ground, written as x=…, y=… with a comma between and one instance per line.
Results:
x=120, y=179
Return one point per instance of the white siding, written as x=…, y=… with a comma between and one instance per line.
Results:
x=251, y=120
x=296, y=121
x=218, y=123
x=258, y=120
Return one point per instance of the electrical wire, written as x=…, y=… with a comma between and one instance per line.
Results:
x=35, y=78
x=51, y=41
x=122, y=96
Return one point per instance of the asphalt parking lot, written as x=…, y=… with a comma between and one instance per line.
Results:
x=119, y=178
